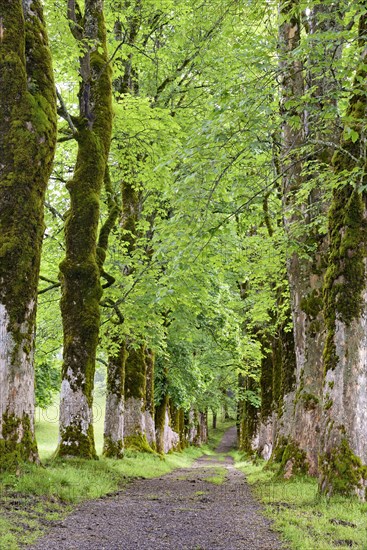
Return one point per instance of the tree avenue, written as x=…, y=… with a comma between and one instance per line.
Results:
x=204, y=242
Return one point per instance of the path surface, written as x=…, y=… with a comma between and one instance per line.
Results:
x=179, y=511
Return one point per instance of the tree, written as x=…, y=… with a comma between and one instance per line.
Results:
x=27, y=143
x=81, y=269
x=343, y=439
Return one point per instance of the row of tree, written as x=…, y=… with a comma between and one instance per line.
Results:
x=313, y=381
x=205, y=226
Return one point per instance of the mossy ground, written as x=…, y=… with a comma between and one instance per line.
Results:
x=306, y=520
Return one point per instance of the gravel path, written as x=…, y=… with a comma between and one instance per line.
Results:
x=179, y=511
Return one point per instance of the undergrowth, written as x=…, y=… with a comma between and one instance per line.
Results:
x=306, y=520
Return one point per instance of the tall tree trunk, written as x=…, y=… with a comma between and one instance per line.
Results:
x=135, y=434
x=80, y=270
x=300, y=127
x=113, y=444
x=27, y=144
x=149, y=398
x=344, y=435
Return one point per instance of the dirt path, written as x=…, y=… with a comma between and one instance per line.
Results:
x=179, y=511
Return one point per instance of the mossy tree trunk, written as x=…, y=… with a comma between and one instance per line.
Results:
x=344, y=436
x=27, y=144
x=149, y=398
x=302, y=126
x=113, y=443
x=81, y=270
x=135, y=434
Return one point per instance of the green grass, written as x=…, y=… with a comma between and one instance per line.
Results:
x=219, y=477
x=306, y=520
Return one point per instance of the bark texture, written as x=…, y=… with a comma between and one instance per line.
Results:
x=344, y=442
x=81, y=270
x=113, y=444
x=27, y=144
x=303, y=126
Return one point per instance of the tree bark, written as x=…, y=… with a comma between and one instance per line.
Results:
x=344, y=440
x=80, y=270
x=113, y=445
x=27, y=144
x=302, y=126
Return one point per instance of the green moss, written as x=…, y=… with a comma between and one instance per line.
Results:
x=27, y=142
x=75, y=442
x=113, y=449
x=312, y=304
x=341, y=471
x=135, y=373
x=310, y=401
x=15, y=448
x=345, y=277
x=287, y=453
x=138, y=442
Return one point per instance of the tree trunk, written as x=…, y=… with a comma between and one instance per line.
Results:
x=344, y=440
x=149, y=398
x=80, y=270
x=135, y=433
x=214, y=423
x=160, y=417
x=113, y=446
x=306, y=276
x=27, y=144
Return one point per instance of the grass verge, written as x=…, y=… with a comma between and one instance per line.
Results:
x=306, y=520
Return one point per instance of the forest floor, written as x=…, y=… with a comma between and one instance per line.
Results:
x=208, y=506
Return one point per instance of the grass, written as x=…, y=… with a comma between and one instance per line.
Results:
x=306, y=520
x=35, y=497
x=219, y=477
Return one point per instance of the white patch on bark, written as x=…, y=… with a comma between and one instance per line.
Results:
x=263, y=443
x=74, y=408
x=149, y=427
x=114, y=420
x=16, y=370
x=171, y=439
x=134, y=417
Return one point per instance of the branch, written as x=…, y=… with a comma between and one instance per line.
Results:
x=44, y=290
x=42, y=278
x=75, y=19
x=114, y=305
x=53, y=211
x=63, y=112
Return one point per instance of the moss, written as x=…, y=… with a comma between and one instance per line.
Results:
x=345, y=277
x=341, y=471
x=250, y=419
x=27, y=142
x=75, y=442
x=113, y=449
x=291, y=458
x=138, y=442
x=135, y=373
x=15, y=448
x=310, y=401
x=312, y=304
